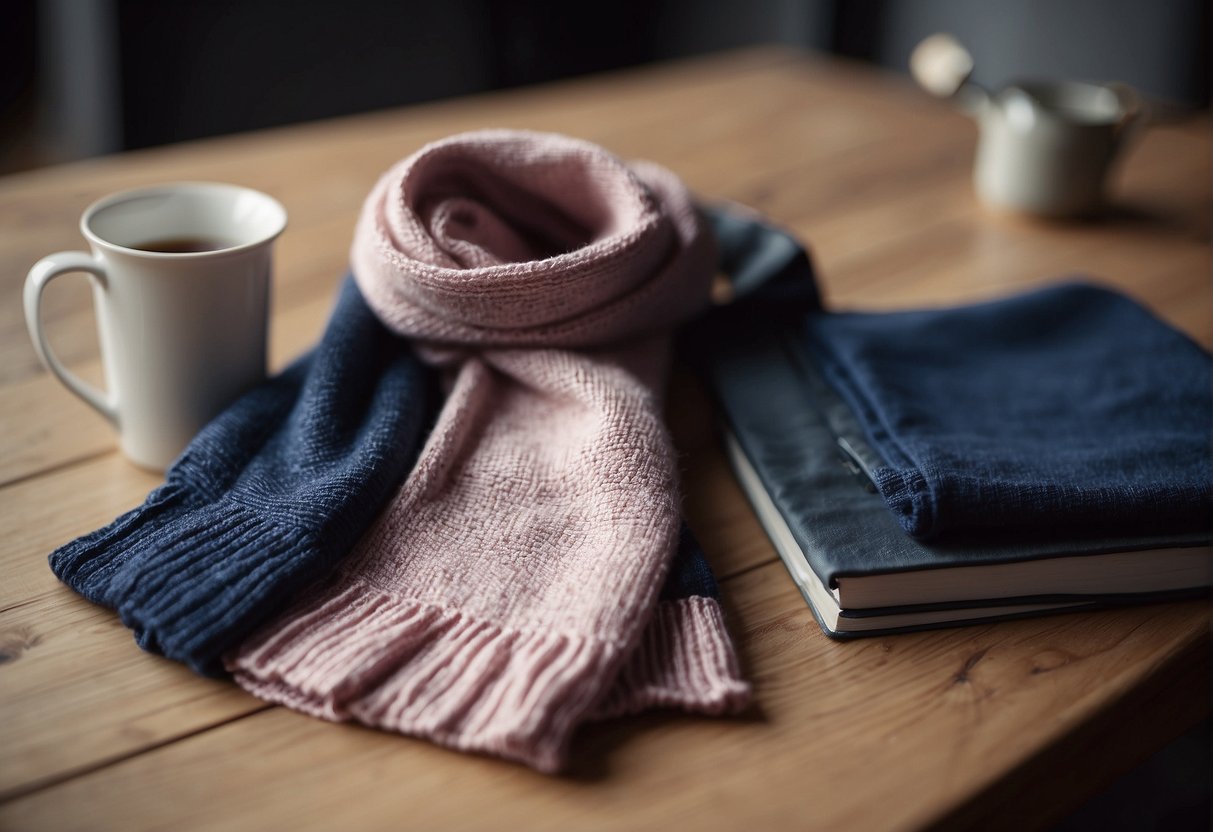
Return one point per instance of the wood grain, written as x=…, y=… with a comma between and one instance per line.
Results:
x=951, y=727
x=969, y=706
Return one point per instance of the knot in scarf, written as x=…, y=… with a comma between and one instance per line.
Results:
x=511, y=238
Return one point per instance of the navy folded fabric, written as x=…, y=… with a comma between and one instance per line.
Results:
x=266, y=499
x=770, y=274
x=1065, y=410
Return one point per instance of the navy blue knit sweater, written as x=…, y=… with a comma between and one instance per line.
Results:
x=271, y=495
x=266, y=498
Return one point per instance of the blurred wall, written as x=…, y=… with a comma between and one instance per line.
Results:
x=85, y=77
x=192, y=69
x=1159, y=46
x=18, y=88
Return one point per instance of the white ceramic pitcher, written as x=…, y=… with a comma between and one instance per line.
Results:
x=1045, y=147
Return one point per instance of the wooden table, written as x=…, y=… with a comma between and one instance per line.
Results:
x=1005, y=724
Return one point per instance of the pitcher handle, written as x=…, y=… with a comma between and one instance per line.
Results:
x=1134, y=112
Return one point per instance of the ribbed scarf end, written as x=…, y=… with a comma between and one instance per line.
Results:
x=427, y=671
x=685, y=660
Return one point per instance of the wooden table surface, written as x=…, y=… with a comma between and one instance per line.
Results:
x=1006, y=724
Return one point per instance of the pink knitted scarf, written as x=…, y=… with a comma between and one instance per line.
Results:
x=510, y=591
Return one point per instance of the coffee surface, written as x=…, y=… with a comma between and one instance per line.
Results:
x=183, y=245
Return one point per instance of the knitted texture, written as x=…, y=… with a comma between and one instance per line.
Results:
x=1063, y=411
x=266, y=499
x=684, y=658
x=508, y=586
x=275, y=492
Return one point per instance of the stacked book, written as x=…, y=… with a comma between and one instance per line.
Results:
x=1045, y=452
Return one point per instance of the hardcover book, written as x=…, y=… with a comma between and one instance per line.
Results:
x=802, y=459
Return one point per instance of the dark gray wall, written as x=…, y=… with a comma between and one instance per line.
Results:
x=107, y=75
x=1159, y=46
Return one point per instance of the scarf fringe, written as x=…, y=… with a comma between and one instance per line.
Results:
x=685, y=660
x=426, y=671
x=419, y=669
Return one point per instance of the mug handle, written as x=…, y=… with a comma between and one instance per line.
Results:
x=43, y=272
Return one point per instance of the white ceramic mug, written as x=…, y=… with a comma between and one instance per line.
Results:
x=182, y=332
x=1046, y=148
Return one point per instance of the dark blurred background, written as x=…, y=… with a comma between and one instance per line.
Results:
x=85, y=77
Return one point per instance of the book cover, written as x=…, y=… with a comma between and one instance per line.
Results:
x=801, y=459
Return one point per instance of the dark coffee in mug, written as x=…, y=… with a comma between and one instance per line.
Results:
x=183, y=245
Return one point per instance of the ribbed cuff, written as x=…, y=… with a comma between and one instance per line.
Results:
x=685, y=660
x=91, y=563
x=191, y=582
x=431, y=672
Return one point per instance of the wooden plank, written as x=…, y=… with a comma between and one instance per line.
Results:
x=929, y=703
x=74, y=688
x=57, y=507
x=42, y=426
x=78, y=693
x=1045, y=787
